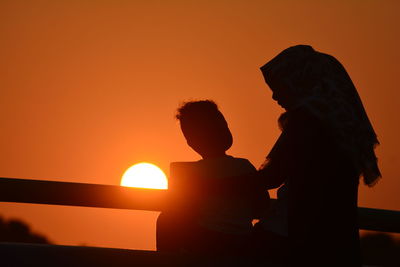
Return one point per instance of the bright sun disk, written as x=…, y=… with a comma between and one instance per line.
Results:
x=144, y=175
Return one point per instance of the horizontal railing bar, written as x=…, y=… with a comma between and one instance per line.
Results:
x=27, y=255
x=379, y=220
x=81, y=194
x=119, y=197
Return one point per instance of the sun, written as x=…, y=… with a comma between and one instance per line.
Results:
x=145, y=175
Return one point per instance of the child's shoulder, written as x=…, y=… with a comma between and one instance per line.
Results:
x=212, y=168
x=224, y=167
x=243, y=165
x=242, y=161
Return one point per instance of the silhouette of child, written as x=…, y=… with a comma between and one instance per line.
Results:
x=214, y=224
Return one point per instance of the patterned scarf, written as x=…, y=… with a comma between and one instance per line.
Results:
x=320, y=83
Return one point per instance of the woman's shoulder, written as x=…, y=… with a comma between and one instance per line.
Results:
x=302, y=124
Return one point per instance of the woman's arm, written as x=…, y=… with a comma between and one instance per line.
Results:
x=270, y=177
x=275, y=169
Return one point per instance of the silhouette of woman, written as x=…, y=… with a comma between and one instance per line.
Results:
x=327, y=143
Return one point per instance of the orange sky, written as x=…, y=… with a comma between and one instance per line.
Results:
x=89, y=88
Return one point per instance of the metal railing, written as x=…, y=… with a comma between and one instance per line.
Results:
x=118, y=197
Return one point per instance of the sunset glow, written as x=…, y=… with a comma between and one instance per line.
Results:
x=145, y=175
x=90, y=88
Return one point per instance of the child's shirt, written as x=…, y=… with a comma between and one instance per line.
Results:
x=227, y=214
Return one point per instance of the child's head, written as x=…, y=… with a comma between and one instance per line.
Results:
x=205, y=128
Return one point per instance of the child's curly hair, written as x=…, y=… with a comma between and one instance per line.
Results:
x=202, y=122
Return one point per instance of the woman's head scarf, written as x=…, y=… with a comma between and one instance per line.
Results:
x=320, y=83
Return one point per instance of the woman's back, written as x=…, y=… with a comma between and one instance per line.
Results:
x=322, y=193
